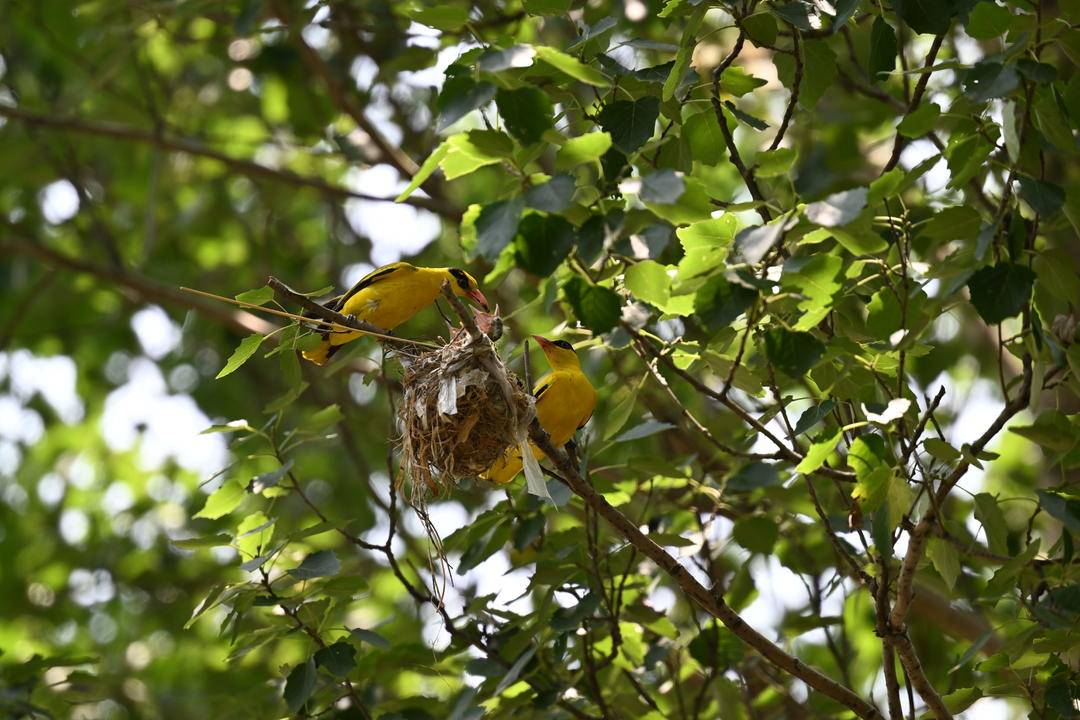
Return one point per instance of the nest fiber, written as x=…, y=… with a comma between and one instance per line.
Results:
x=461, y=409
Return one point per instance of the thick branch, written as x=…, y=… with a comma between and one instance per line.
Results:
x=140, y=287
x=710, y=600
x=917, y=678
x=905, y=588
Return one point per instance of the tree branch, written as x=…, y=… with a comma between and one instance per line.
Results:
x=710, y=600
x=916, y=97
x=140, y=287
x=249, y=168
x=729, y=140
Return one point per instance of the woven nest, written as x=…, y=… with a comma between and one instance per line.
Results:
x=461, y=409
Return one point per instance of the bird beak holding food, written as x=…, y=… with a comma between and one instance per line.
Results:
x=478, y=297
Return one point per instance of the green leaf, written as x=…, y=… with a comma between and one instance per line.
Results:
x=755, y=242
x=1043, y=197
x=526, y=112
x=989, y=514
x=703, y=138
x=553, y=196
x=598, y=308
x=989, y=80
x=1003, y=578
x=926, y=16
x=515, y=670
x=988, y=20
x=684, y=53
x=443, y=16
x=814, y=415
x=919, y=122
x=318, y=564
x=900, y=498
x=745, y=118
x=736, y=81
x=630, y=122
x=581, y=150
x=473, y=150
x=643, y=430
x=425, y=170
x=324, y=418
x=818, y=279
x=716, y=648
x=570, y=618
x=1056, y=271
x=268, y=480
x=705, y=244
x=1065, y=508
x=859, y=241
x=243, y=352
x=793, y=353
x=945, y=559
x=543, y=242
x=460, y=95
x=941, y=450
x=496, y=226
x=819, y=73
x=337, y=659
x=260, y=296
x=664, y=187
x=622, y=405
x=719, y=302
x=818, y=453
x=952, y=223
x=1051, y=430
x=837, y=209
x=370, y=637
x=756, y=533
x=760, y=28
x=299, y=685
x=774, y=163
x=966, y=157
x=1051, y=120
x=222, y=501
x=883, y=49
x=205, y=541
x=496, y=60
x=649, y=281
x=547, y=7
x=1000, y=291
x=572, y=67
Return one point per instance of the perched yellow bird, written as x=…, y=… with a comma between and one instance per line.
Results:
x=388, y=296
x=565, y=400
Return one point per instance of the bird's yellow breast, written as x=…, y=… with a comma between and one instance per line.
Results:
x=565, y=405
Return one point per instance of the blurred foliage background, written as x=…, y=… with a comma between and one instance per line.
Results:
x=638, y=177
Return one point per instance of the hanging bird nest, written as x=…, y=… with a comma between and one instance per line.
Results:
x=460, y=410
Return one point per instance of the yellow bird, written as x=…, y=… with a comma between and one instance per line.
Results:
x=388, y=296
x=565, y=400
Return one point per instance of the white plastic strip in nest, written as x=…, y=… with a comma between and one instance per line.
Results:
x=448, y=395
x=534, y=477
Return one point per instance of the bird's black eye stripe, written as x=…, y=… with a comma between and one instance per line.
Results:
x=563, y=344
x=461, y=277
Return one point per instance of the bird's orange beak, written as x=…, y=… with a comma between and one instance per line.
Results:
x=478, y=297
x=544, y=342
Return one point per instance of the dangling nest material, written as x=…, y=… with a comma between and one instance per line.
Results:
x=460, y=410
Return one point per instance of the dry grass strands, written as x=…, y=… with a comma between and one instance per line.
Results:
x=460, y=410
